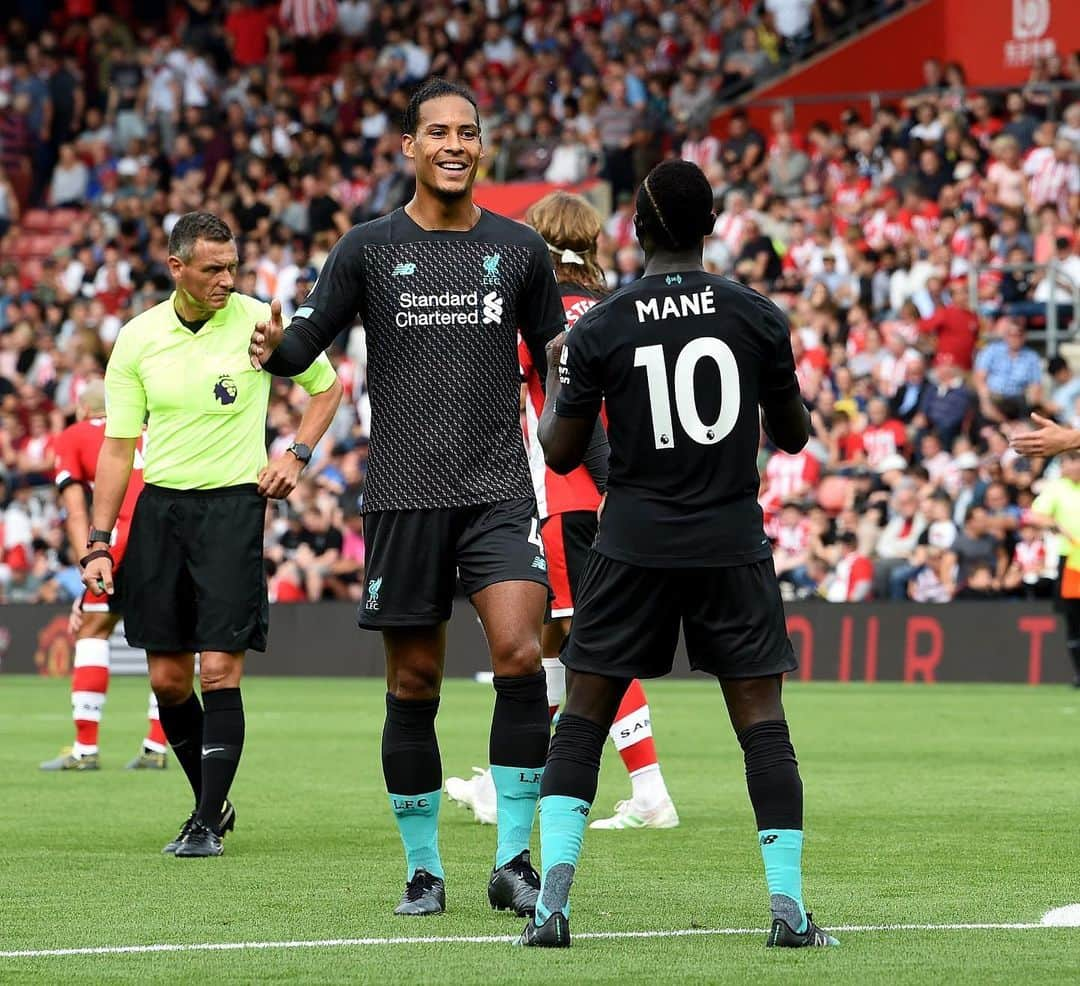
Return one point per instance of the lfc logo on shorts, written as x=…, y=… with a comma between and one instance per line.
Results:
x=373, y=588
x=225, y=389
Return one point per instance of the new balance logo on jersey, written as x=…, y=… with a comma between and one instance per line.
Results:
x=677, y=306
x=403, y=270
x=493, y=309
x=373, y=589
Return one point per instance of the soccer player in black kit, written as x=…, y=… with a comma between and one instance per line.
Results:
x=682, y=360
x=443, y=287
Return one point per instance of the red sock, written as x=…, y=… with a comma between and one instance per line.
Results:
x=155, y=735
x=89, y=683
x=632, y=731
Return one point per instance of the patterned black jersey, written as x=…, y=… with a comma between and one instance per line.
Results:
x=441, y=312
x=682, y=362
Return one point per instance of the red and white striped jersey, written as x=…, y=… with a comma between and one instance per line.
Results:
x=789, y=477
x=77, y=449
x=853, y=580
x=1030, y=557
x=1051, y=181
x=308, y=18
x=793, y=539
x=729, y=228
x=576, y=490
x=881, y=441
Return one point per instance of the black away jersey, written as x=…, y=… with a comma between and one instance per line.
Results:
x=682, y=362
x=441, y=312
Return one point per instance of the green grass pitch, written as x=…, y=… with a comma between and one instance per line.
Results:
x=924, y=805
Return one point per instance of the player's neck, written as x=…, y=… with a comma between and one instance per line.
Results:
x=189, y=309
x=673, y=262
x=432, y=213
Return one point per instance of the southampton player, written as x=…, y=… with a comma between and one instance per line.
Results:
x=682, y=361
x=442, y=288
x=567, y=505
x=94, y=618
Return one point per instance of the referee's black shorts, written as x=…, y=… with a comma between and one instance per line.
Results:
x=194, y=575
x=627, y=620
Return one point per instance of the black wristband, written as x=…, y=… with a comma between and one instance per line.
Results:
x=93, y=555
x=97, y=535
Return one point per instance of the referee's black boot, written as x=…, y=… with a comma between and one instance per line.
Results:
x=193, y=835
x=553, y=933
x=515, y=886
x=424, y=894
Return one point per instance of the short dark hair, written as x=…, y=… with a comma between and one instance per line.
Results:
x=1056, y=365
x=675, y=205
x=433, y=88
x=193, y=226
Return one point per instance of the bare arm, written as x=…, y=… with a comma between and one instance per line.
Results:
x=75, y=502
x=111, y=480
x=113, y=473
x=565, y=440
x=1048, y=439
x=788, y=424
x=279, y=478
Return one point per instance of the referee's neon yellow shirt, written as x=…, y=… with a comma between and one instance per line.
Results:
x=1060, y=500
x=206, y=403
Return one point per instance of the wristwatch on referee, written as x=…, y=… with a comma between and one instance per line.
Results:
x=301, y=451
x=98, y=537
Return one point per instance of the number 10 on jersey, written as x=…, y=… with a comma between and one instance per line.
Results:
x=655, y=363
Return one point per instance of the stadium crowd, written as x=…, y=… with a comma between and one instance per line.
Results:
x=908, y=248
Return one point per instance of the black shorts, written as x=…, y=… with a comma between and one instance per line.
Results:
x=414, y=558
x=194, y=571
x=628, y=619
x=567, y=540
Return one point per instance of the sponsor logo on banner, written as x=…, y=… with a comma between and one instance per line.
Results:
x=1030, y=21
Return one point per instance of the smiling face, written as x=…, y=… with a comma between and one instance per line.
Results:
x=446, y=148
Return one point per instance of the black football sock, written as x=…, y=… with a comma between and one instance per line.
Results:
x=183, y=725
x=222, y=744
x=772, y=777
x=412, y=769
x=517, y=748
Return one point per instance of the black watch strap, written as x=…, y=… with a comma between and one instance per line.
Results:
x=93, y=555
x=301, y=451
x=98, y=536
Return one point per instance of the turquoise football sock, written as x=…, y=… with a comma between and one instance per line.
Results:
x=781, y=851
x=516, y=791
x=417, y=817
x=562, y=827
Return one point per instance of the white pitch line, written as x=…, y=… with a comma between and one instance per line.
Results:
x=479, y=939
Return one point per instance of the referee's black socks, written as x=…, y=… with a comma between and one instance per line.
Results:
x=517, y=749
x=183, y=725
x=222, y=744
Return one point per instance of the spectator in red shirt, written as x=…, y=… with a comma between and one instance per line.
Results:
x=251, y=30
x=852, y=580
x=883, y=436
x=956, y=327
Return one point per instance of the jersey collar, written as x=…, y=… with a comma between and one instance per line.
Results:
x=215, y=320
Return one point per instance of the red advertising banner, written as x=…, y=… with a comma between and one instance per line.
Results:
x=995, y=41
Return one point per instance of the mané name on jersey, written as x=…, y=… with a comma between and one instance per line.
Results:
x=682, y=362
x=441, y=313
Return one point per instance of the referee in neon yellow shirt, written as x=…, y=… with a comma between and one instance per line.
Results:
x=194, y=580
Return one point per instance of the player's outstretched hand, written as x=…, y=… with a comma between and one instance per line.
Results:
x=279, y=477
x=266, y=336
x=98, y=576
x=1048, y=439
